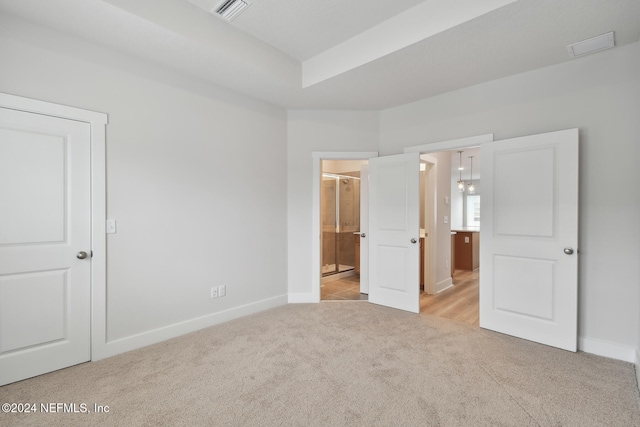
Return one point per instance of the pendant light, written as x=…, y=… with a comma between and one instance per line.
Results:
x=460, y=168
x=472, y=188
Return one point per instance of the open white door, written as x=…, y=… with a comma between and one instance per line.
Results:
x=529, y=244
x=394, y=231
x=45, y=244
x=364, y=229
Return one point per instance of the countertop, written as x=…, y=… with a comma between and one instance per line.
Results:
x=466, y=230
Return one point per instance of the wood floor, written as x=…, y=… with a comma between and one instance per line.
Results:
x=460, y=302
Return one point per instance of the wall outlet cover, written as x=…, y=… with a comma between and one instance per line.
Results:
x=111, y=226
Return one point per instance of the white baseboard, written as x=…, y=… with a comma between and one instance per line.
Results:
x=637, y=363
x=111, y=348
x=444, y=285
x=302, y=298
x=607, y=349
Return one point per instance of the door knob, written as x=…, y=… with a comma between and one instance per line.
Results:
x=568, y=251
x=81, y=255
x=363, y=235
x=414, y=241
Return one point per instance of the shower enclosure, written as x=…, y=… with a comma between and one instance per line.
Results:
x=340, y=205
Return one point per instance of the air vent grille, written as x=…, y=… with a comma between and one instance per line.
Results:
x=592, y=45
x=229, y=9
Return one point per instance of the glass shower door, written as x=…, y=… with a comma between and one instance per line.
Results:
x=340, y=203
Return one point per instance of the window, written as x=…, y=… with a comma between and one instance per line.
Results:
x=473, y=210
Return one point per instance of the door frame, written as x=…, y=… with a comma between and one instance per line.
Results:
x=435, y=147
x=97, y=122
x=316, y=231
x=431, y=221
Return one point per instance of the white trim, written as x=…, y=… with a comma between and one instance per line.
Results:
x=434, y=147
x=432, y=190
x=177, y=329
x=637, y=363
x=97, y=121
x=608, y=349
x=302, y=298
x=317, y=157
x=50, y=109
x=444, y=285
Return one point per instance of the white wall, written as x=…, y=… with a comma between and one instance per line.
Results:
x=196, y=178
x=310, y=131
x=443, y=234
x=600, y=95
x=638, y=277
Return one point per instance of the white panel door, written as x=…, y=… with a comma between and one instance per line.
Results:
x=529, y=244
x=45, y=219
x=364, y=229
x=394, y=231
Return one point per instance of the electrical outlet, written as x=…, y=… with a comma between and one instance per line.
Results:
x=222, y=290
x=214, y=292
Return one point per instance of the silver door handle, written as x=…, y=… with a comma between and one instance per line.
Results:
x=414, y=241
x=363, y=235
x=568, y=251
x=81, y=255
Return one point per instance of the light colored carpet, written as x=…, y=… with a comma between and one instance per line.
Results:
x=339, y=364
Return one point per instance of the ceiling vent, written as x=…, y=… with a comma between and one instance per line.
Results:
x=229, y=9
x=592, y=45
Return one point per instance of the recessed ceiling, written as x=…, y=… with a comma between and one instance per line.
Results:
x=303, y=29
x=266, y=51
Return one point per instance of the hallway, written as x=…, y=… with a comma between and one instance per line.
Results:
x=460, y=302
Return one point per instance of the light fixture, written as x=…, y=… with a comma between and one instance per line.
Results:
x=472, y=188
x=460, y=168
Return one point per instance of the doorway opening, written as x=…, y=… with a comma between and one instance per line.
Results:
x=453, y=289
x=340, y=199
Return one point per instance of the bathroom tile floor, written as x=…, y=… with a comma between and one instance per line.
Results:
x=347, y=288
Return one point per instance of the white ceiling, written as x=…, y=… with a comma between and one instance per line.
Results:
x=303, y=29
x=330, y=54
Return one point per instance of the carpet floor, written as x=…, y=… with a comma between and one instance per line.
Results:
x=338, y=364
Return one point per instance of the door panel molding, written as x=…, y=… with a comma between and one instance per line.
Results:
x=97, y=122
x=528, y=285
x=394, y=230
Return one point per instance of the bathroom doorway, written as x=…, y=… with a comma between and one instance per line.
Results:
x=340, y=230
